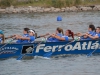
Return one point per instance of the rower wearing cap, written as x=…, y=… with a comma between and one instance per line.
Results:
x=31, y=36
x=2, y=38
x=28, y=39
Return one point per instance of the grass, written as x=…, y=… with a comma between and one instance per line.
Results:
x=48, y=3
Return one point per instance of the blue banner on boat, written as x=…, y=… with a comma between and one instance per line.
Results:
x=77, y=47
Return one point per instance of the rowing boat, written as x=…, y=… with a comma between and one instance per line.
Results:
x=41, y=48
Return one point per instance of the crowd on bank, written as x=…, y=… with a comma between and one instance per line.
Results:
x=30, y=35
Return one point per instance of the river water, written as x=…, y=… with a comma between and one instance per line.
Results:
x=44, y=23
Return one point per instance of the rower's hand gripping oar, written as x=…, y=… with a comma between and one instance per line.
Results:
x=90, y=54
x=22, y=55
x=49, y=54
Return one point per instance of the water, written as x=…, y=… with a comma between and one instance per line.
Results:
x=43, y=23
x=46, y=22
x=70, y=65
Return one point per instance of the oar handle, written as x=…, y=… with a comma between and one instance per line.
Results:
x=10, y=41
x=77, y=39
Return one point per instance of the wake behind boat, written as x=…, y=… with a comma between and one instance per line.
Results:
x=41, y=48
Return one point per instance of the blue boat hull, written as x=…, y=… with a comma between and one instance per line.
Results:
x=39, y=49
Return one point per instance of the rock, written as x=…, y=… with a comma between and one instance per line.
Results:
x=89, y=8
x=92, y=6
x=40, y=10
x=34, y=9
x=2, y=11
x=73, y=8
x=29, y=6
x=85, y=8
x=97, y=7
x=47, y=9
x=14, y=11
x=21, y=10
x=57, y=10
x=9, y=9
x=52, y=9
x=17, y=10
x=63, y=9
x=31, y=9
x=67, y=9
x=27, y=10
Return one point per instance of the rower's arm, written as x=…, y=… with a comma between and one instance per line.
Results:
x=9, y=37
x=43, y=35
x=93, y=37
x=24, y=38
x=58, y=37
x=79, y=34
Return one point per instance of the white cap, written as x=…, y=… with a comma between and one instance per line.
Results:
x=32, y=31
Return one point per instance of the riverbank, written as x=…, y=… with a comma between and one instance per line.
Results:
x=31, y=9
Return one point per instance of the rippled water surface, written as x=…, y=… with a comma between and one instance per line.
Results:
x=43, y=23
x=46, y=22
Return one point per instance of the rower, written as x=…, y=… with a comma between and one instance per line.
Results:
x=59, y=32
x=29, y=39
x=2, y=38
x=25, y=34
x=91, y=31
x=68, y=33
x=97, y=34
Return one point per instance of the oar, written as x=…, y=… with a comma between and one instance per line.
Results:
x=6, y=44
x=22, y=55
x=90, y=54
x=49, y=54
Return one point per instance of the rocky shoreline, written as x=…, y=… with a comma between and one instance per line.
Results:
x=31, y=9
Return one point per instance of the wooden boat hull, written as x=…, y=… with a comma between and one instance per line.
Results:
x=41, y=48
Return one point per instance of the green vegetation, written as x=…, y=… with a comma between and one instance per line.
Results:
x=47, y=3
x=6, y=2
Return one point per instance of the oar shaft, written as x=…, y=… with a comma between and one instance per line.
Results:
x=65, y=45
x=92, y=51
x=50, y=53
x=6, y=44
x=22, y=55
